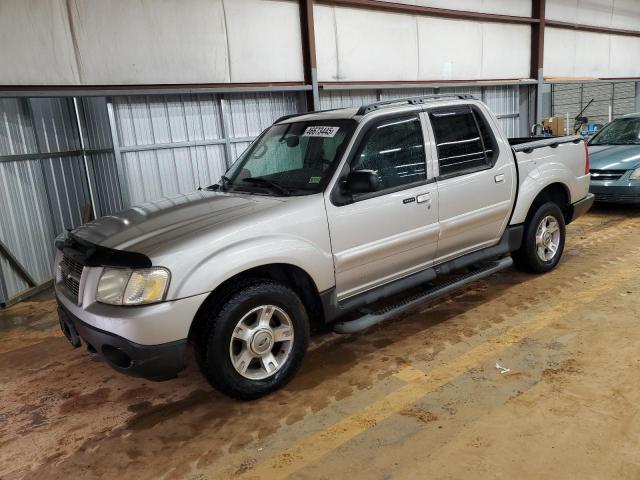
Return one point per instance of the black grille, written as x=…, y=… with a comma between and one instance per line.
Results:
x=617, y=198
x=70, y=273
x=606, y=174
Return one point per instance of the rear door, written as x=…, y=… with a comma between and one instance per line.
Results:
x=476, y=179
x=393, y=232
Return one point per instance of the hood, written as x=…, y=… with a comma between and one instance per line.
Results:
x=614, y=157
x=142, y=227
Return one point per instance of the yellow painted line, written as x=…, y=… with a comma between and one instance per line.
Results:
x=314, y=447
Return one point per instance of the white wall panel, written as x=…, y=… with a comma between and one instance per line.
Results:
x=359, y=45
x=585, y=54
x=592, y=55
x=443, y=59
x=375, y=45
x=505, y=50
x=505, y=7
x=150, y=42
x=602, y=13
x=324, y=19
x=559, y=52
x=626, y=14
x=264, y=40
x=625, y=57
x=36, y=47
x=120, y=42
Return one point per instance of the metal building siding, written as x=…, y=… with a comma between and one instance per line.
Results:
x=250, y=114
x=107, y=182
x=25, y=224
x=68, y=190
x=504, y=102
x=346, y=98
x=571, y=98
x=176, y=143
x=97, y=131
x=17, y=134
x=55, y=123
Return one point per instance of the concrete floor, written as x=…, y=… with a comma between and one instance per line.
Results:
x=418, y=397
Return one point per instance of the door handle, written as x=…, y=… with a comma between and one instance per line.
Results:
x=424, y=198
x=499, y=178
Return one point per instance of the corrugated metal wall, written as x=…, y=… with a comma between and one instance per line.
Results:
x=177, y=143
x=571, y=98
x=503, y=100
x=27, y=220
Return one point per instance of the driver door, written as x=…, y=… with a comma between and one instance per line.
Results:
x=382, y=236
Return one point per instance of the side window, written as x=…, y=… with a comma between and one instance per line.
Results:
x=394, y=149
x=464, y=141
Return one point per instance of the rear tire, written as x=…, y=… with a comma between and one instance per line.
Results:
x=543, y=241
x=256, y=341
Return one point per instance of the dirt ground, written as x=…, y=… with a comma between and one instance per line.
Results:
x=517, y=376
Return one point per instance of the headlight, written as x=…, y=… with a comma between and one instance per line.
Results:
x=124, y=286
x=635, y=175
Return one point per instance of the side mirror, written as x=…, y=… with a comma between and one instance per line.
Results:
x=362, y=181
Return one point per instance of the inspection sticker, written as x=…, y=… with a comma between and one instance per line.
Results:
x=320, y=131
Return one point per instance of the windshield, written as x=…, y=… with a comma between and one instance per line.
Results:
x=623, y=131
x=290, y=159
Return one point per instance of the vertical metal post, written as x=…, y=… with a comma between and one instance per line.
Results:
x=637, y=109
x=89, y=173
x=612, y=104
x=539, y=96
x=537, y=52
x=523, y=111
x=226, y=130
x=307, y=30
x=117, y=154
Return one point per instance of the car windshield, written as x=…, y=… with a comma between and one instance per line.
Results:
x=290, y=159
x=623, y=131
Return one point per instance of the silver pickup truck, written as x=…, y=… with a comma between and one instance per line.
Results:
x=325, y=216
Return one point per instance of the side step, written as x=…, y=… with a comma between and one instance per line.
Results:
x=389, y=311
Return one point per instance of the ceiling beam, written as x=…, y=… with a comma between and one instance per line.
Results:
x=592, y=28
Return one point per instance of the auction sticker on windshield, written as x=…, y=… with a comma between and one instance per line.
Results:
x=320, y=131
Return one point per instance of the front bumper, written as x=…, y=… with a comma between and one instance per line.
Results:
x=153, y=362
x=627, y=194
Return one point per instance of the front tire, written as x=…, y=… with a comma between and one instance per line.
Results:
x=256, y=342
x=543, y=241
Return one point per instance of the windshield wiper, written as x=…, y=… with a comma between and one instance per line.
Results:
x=267, y=183
x=225, y=182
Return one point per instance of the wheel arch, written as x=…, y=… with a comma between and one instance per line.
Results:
x=556, y=192
x=287, y=274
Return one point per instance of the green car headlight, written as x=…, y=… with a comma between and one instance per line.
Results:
x=126, y=286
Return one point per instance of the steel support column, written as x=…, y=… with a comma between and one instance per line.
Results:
x=537, y=52
x=88, y=170
x=308, y=36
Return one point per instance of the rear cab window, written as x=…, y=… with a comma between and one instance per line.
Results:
x=464, y=141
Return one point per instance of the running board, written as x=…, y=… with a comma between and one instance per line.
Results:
x=389, y=311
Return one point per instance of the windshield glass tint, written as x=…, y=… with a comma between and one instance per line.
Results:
x=291, y=158
x=623, y=131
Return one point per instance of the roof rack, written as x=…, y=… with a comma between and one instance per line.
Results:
x=291, y=115
x=364, y=109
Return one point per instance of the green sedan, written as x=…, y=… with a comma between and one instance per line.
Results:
x=615, y=161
